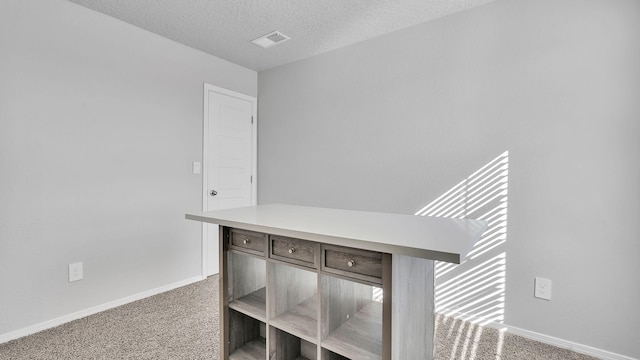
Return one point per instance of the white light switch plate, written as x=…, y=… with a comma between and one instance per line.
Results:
x=197, y=168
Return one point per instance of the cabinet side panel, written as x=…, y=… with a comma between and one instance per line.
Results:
x=223, y=283
x=387, y=286
x=412, y=308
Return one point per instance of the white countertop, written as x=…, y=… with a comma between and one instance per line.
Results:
x=427, y=237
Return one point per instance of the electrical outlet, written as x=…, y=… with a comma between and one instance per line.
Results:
x=542, y=288
x=75, y=272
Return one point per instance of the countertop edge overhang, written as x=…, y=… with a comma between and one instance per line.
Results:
x=442, y=239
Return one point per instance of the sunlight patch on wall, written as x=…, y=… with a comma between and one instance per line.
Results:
x=475, y=290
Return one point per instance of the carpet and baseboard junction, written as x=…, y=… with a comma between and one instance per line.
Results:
x=182, y=324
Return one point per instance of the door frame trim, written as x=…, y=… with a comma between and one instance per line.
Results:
x=205, y=157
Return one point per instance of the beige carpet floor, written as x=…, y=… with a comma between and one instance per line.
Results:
x=182, y=324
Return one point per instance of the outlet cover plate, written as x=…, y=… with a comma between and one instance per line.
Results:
x=542, y=288
x=75, y=272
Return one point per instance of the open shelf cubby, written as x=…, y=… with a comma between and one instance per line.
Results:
x=293, y=305
x=247, y=284
x=351, y=319
x=285, y=346
x=329, y=355
x=247, y=337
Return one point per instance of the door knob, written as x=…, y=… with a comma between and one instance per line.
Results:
x=213, y=193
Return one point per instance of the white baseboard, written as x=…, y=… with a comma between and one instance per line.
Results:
x=93, y=310
x=545, y=339
x=561, y=343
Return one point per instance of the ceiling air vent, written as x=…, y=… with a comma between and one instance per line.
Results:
x=274, y=38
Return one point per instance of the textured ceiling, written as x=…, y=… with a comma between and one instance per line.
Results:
x=224, y=28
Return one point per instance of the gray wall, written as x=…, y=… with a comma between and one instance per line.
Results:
x=392, y=123
x=99, y=124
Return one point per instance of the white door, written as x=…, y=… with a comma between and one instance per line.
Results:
x=229, y=161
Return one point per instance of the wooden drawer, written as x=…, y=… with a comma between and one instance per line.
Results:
x=248, y=241
x=295, y=251
x=354, y=263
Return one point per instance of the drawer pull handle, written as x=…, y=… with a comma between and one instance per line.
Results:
x=246, y=241
x=351, y=263
x=292, y=250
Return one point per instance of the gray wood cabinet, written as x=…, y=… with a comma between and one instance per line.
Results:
x=309, y=283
